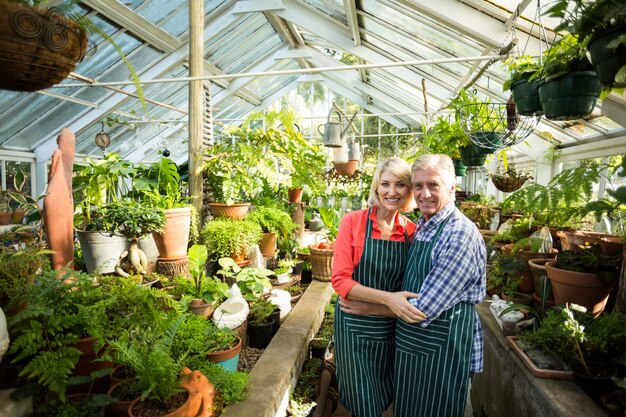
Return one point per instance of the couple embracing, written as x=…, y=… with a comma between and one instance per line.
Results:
x=406, y=330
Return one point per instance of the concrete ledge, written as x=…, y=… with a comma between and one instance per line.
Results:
x=508, y=388
x=276, y=372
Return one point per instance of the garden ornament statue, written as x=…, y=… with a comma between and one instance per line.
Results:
x=201, y=395
x=58, y=204
x=232, y=312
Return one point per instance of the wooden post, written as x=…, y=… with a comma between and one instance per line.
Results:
x=196, y=95
x=297, y=215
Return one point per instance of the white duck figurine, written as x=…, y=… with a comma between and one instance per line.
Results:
x=232, y=312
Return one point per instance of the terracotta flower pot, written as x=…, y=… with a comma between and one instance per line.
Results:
x=538, y=269
x=528, y=285
x=172, y=242
x=295, y=195
x=233, y=211
x=200, y=307
x=581, y=288
x=346, y=168
x=267, y=245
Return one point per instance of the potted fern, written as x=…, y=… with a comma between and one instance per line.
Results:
x=274, y=222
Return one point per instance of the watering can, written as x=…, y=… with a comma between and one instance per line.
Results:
x=354, y=151
x=332, y=131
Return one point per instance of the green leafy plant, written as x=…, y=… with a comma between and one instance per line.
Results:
x=227, y=237
x=613, y=206
x=148, y=354
x=590, y=259
x=445, y=137
x=566, y=55
x=56, y=315
x=18, y=269
x=260, y=311
x=558, y=203
x=504, y=275
x=220, y=338
x=519, y=68
x=252, y=281
x=159, y=185
x=331, y=219
x=273, y=220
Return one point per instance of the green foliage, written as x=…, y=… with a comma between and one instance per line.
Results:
x=260, y=311
x=519, y=67
x=504, y=275
x=55, y=316
x=252, y=281
x=559, y=203
x=586, y=18
x=614, y=205
x=17, y=272
x=230, y=386
x=273, y=220
x=566, y=55
x=198, y=256
x=331, y=219
x=133, y=220
x=148, y=354
x=227, y=237
x=220, y=339
x=99, y=183
x=191, y=337
x=159, y=185
x=445, y=137
x=590, y=259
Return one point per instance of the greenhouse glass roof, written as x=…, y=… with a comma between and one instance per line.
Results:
x=258, y=37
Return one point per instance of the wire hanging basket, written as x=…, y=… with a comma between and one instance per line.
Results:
x=494, y=126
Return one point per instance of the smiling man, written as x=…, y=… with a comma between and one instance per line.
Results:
x=436, y=357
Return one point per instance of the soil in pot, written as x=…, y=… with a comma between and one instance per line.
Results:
x=597, y=381
x=155, y=409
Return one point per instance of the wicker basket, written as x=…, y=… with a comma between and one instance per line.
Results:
x=321, y=263
x=38, y=48
x=508, y=184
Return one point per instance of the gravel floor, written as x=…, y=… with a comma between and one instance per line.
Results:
x=248, y=357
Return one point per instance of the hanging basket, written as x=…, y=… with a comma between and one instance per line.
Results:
x=492, y=126
x=507, y=184
x=38, y=48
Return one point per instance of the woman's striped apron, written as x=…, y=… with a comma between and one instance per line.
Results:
x=432, y=363
x=364, y=345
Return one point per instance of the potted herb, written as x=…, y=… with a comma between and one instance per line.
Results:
x=307, y=275
x=223, y=347
x=283, y=271
x=230, y=238
x=446, y=137
x=504, y=278
x=206, y=292
x=260, y=323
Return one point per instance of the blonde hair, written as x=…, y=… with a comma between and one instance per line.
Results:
x=401, y=169
x=442, y=164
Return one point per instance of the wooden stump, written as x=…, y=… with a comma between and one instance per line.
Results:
x=297, y=215
x=172, y=267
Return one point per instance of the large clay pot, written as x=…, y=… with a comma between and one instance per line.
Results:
x=173, y=241
x=101, y=252
x=233, y=211
x=538, y=269
x=581, y=288
x=346, y=168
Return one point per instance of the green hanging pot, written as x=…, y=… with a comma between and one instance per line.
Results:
x=487, y=142
x=526, y=97
x=459, y=167
x=571, y=96
x=473, y=155
x=608, y=61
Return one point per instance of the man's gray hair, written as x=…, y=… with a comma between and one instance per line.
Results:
x=441, y=163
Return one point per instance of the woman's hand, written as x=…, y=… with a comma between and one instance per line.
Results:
x=401, y=308
x=363, y=308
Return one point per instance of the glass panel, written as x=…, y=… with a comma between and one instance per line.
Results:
x=12, y=168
